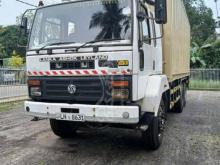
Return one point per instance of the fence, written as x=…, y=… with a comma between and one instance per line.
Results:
x=208, y=79
x=12, y=84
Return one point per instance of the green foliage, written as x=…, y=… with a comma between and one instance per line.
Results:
x=201, y=21
x=16, y=61
x=204, y=84
x=207, y=56
x=205, y=49
x=211, y=54
x=196, y=60
x=8, y=41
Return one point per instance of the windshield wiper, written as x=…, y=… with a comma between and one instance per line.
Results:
x=94, y=41
x=54, y=43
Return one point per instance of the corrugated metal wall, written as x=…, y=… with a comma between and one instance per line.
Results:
x=176, y=42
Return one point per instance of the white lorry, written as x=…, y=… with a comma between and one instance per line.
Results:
x=116, y=63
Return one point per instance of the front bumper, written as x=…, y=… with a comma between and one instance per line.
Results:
x=92, y=113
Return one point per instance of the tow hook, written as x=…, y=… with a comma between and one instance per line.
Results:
x=37, y=119
x=143, y=127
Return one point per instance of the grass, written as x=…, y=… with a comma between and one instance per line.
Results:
x=9, y=106
x=204, y=85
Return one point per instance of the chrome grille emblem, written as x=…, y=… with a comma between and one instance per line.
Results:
x=71, y=89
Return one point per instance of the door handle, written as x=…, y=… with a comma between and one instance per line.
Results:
x=141, y=59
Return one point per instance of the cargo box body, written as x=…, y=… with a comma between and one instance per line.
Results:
x=176, y=42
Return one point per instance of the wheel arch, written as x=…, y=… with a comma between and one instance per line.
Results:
x=157, y=89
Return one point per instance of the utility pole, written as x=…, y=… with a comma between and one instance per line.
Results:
x=216, y=4
x=217, y=21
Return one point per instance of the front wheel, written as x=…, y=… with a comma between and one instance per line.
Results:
x=63, y=129
x=153, y=136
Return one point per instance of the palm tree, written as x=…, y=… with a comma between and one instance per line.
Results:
x=111, y=21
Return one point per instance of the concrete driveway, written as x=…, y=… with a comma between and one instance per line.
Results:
x=192, y=137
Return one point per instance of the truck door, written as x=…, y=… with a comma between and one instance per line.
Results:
x=148, y=50
x=156, y=46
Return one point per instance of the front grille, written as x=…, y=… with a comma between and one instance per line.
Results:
x=65, y=65
x=88, y=89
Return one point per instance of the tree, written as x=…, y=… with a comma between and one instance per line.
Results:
x=111, y=21
x=211, y=54
x=8, y=41
x=201, y=21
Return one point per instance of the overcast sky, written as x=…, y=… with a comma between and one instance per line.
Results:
x=9, y=9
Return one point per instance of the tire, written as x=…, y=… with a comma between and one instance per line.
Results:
x=180, y=104
x=153, y=136
x=184, y=95
x=63, y=129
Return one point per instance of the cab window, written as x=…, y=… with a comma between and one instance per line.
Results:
x=145, y=28
x=153, y=30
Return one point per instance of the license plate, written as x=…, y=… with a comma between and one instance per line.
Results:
x=70, y=117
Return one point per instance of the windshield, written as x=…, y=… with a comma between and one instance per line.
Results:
x=81, y=22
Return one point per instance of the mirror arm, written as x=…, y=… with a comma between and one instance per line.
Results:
x=140, y=44
x=162, y=35
x=156, y=38
x=151, y=18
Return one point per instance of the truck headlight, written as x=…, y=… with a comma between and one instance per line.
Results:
x=120, y=90
x=35, y=91
x=34, y=86
x=120, y=93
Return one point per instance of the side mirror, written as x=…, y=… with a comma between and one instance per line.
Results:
x=141, y=16
x=161, y=11
x=24, y=25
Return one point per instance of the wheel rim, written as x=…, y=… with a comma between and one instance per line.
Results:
x=161, y=122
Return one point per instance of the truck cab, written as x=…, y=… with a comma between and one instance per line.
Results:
x=100, y=62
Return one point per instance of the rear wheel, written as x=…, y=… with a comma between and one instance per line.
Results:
x=63, y=129
x=182, y=100
x=153, y=136
x=185, y=94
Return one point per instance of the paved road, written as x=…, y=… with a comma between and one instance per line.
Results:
x=7, y=91
x=192, y=137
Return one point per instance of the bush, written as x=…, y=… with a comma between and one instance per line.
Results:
x=196, y=61
x=16, y=61
x=211, y=54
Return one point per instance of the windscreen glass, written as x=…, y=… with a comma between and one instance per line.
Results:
x=81, y=22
